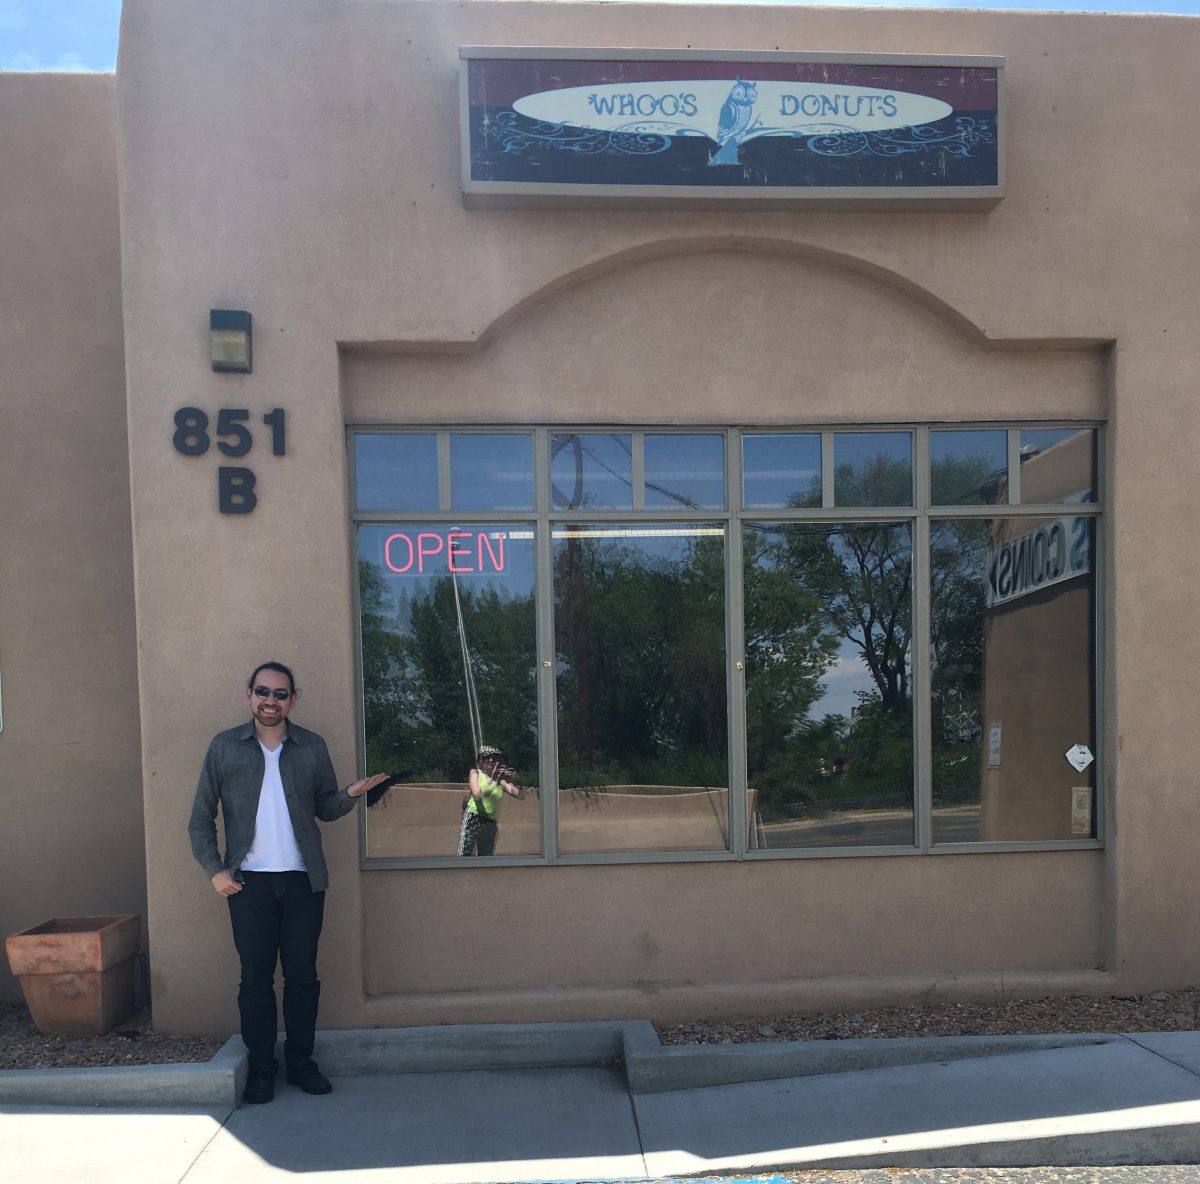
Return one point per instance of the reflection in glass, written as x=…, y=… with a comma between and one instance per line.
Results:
x=872, y=468
x=829, y=730
x=1011, y=625
x=639, y=626
x=685, y=471
x=968, y=468
x=491, y=472
x=396, y=471
x=448, y=661
x=1058, y=465
x=781, y=471
x=591, y=471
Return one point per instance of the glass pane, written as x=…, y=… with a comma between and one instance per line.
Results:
x=968, y=468
x=448, y=659
x=829, y=726
x=591, y=472
x=781, y=471
x=1058, y=465
x=1011, y=627
x=685, y=472
x=396, y=472
x=639, y=619
x=872, y=469
x=491, y=472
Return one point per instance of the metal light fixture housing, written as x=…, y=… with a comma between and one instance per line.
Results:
x=230, y=340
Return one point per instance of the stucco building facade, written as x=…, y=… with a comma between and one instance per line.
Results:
x=304, y=164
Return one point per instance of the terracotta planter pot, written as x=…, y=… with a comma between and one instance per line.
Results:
x=77, y=972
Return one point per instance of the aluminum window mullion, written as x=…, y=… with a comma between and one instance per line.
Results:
x=827, y=470
x=735, y=653
x=541, y=472
x=360, y=731
x=921, y=673
x=1014, y=466
x=443, y=462
x=547, y=689
x=638, y=470
x=833, y=514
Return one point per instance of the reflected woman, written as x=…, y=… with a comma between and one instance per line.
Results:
x=481, y=806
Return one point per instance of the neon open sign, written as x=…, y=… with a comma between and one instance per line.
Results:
x=460, y=551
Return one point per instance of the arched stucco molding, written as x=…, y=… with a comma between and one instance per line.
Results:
x=608, y=264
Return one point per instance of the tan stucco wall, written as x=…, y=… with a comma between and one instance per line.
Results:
x=307, y=169
x=70, y=755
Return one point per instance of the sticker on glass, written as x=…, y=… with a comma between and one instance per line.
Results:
x=1080, y=756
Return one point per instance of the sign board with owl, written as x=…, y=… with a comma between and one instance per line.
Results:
x=591, y=127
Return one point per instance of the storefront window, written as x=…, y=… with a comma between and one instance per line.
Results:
x=448, y=663
x=591, y=471
x=829, y=724
x=1057, y=465
x=1011, y=626
x=491, y=471
x=396, y=471
x=968, y=468
x=781, y=471
x=685, y=472
x=639, y=629
x=836, y=652
x=872, y=469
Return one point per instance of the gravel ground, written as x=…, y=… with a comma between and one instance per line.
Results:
x=1162, y=1011
x=136, y=1042
x=22, y=1046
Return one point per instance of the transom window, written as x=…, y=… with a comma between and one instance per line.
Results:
x=728, y=643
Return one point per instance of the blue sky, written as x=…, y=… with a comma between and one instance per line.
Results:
x=82, y=34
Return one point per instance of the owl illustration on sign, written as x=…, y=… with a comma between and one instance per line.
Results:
x=734, y=121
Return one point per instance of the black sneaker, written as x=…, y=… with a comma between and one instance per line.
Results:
x=310, y=1079
x=260, y=1087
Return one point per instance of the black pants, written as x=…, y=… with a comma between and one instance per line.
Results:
x=277, y=918
x=477, y=836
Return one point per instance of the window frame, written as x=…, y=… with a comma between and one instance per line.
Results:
x=920, y=514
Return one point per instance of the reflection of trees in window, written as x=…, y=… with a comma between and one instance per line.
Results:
x=415, y=697
x=880, y=480
x=967, y=481
x=817, y=595
x=788, y=650
x=640, y=636
x=957, y=557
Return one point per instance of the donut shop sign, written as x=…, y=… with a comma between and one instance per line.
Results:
x=589, y=127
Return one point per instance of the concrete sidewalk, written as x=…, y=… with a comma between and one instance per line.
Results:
x=1094, y=1100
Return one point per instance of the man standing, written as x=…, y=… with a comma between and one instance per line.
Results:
x=272, y=780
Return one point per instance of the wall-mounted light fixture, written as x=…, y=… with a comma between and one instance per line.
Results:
x=229, y=338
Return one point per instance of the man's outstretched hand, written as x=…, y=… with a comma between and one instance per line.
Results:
x=360, y=787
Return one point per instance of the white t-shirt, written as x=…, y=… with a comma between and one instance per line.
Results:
x=274, y=848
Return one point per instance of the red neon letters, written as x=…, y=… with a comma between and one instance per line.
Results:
x=459, y=551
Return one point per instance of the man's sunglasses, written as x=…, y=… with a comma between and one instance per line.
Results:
x=279, y=693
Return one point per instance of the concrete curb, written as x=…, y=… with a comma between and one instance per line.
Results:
x=650, y=1067
x=213, y=1084
x=443, y=1049
x=653, y=1068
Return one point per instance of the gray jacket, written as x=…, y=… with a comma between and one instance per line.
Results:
x=232, y=778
